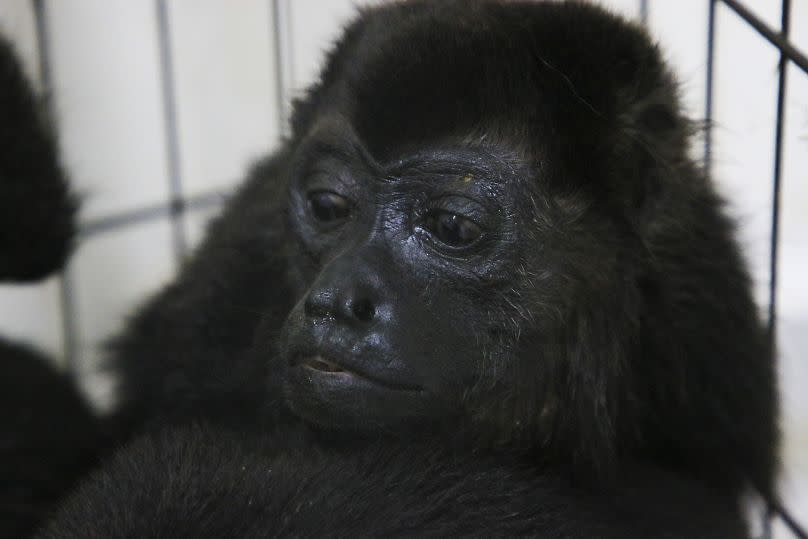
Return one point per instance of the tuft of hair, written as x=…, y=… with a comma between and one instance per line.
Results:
x=36, y=207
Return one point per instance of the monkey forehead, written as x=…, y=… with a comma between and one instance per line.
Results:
x=474, y=162
x=412, y=72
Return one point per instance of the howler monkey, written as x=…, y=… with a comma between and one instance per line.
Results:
x=483, y=283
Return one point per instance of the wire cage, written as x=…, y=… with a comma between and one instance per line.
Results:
x=179, y=203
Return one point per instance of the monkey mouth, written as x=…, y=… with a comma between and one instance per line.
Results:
x=319, y=363
x=320, y=366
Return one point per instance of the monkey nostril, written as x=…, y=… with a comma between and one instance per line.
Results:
x=363, y=310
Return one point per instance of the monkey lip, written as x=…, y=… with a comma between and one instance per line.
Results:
x=318, y=365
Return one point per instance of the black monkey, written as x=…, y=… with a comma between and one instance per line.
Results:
x=48, y=434
x=485, y=235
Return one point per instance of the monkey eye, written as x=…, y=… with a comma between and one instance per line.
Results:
x=452, y=229
x=329, y=206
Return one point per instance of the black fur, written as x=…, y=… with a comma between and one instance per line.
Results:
x=601, y=332
x=36, y=209
x=196, y=483
x=48, y=436
x=48, y=439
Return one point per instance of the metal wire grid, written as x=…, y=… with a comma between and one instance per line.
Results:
x=179, y=203
x=789, y=54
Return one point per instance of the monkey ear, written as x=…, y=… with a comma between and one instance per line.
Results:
x=653, y=138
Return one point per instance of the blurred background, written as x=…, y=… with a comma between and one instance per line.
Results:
x=161, y=105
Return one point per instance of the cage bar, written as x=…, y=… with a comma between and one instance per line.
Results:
x=172, y=136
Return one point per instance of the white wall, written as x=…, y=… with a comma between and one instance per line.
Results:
x=109, y=106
